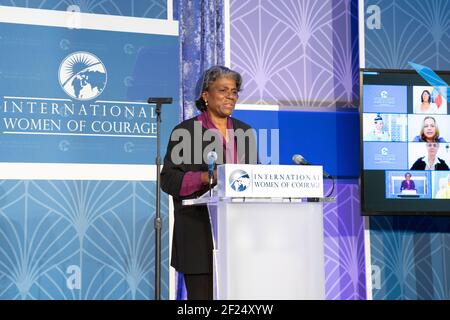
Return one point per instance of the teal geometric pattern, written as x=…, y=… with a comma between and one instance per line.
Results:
x=156, y=9
x=79, y=240
x=411, y=30
x=412, y=255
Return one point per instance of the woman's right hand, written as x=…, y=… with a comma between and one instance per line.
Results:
x=205, y=177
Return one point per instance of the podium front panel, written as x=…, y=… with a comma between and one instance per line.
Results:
x=269, y=251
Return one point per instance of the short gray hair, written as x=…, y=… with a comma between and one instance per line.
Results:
x=210, y=76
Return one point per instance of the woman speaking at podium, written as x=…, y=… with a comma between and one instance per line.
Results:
x=185, y=174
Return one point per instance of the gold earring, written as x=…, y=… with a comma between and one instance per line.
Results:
x=206, y=104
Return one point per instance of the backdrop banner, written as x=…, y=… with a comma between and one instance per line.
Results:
x=77, y=152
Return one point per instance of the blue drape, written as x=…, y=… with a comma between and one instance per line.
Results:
x=202, y=46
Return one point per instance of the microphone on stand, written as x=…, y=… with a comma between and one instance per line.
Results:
x=212, y=158
x=299, y=159
x=158, y=101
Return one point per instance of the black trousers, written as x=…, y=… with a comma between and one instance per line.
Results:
x=199, y=286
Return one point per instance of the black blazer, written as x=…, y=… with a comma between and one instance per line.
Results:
x=421, y=165
x=192, y=244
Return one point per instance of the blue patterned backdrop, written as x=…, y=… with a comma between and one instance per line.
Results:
x=87, y=238
x=297, y=54
x=410, y=30
x=79, y=240
x=156, y=9
x=410, y=256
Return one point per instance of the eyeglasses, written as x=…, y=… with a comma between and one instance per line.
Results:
x=227, y=92
x=432, y=145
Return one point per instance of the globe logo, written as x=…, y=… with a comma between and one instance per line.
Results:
x=64, y=145
x=128, y=147
x=239, y=180
x=384, y=94
x=82, y=76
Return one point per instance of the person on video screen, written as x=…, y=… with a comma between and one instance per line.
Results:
x=378, y=133
x=407, y=184
x=429, y=131
x=430, y=161
x=431, y=102
x=444, y=191
x=425, y=105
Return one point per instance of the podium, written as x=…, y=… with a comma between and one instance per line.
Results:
x=267, y=246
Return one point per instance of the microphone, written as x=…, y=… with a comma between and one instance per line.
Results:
x=212, y=158
x=299, y=159
x=160, y=100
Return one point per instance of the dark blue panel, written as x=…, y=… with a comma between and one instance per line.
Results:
x=327, y=138
x=258, y=119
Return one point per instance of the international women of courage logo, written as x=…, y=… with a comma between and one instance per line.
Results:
x=239, y=180
x=82, y=76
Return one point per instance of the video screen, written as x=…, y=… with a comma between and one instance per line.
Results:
x=405, y=130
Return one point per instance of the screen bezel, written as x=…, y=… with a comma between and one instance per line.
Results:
x=391, y=206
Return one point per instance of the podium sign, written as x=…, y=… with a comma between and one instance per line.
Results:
x=262, y=181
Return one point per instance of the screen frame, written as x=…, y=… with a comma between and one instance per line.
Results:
x=399, y=209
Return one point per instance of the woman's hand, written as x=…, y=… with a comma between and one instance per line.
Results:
x=205, y=177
